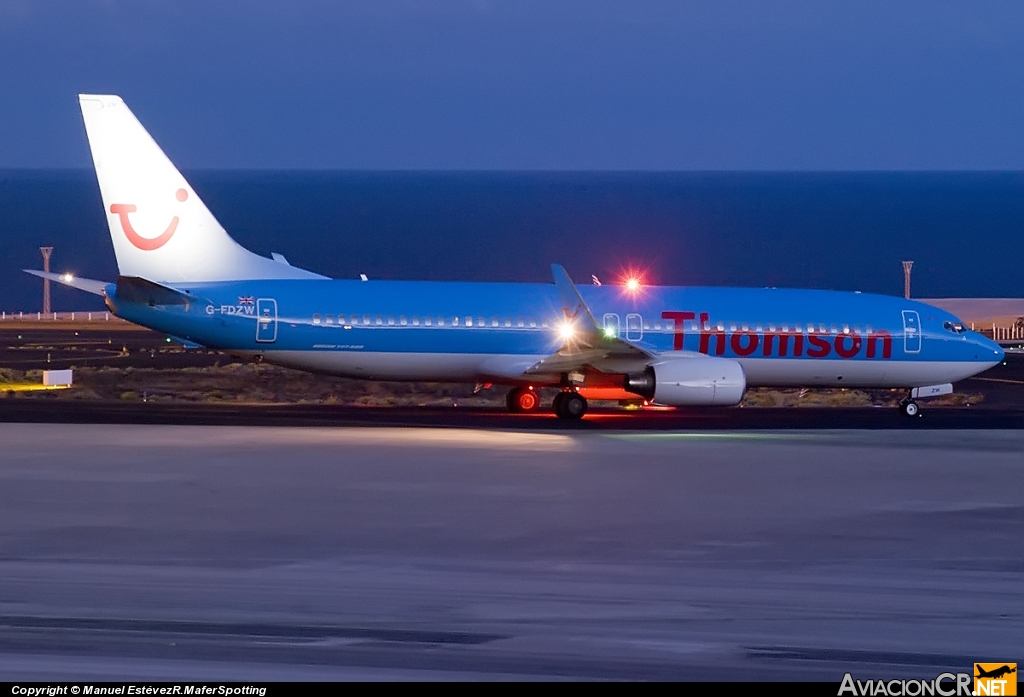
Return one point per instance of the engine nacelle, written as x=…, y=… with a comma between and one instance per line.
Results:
x=690, y=380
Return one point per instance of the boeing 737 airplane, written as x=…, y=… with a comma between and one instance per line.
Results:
x=180, y=273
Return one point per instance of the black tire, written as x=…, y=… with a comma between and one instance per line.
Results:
x=556, y=404
x=522, y=400
x=527, y=400
x=573, y=406
x=910, y=408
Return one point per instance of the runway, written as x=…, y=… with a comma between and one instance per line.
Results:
x=41, y=410
x=134, y=551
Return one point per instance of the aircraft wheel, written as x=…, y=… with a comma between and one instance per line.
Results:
x=522, y=400
x=570, y=405
x=909, y=408
x=556, y=403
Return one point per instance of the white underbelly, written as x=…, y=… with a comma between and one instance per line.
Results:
x=428, y=367
x=777, y=372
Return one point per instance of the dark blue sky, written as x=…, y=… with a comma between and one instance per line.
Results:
x=396, y=84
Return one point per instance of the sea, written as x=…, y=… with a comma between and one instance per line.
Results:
x=964, y=231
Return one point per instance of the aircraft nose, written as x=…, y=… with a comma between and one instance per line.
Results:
x=988, y=350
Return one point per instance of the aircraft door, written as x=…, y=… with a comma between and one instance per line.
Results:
x=266, y=320
x=634, y=327
x=611, y=324
x=911, y=332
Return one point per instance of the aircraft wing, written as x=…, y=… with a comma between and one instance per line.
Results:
x=86, y=284
x=589, y=344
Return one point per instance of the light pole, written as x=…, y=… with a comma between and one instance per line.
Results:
x=47, y=252
x=907, y=266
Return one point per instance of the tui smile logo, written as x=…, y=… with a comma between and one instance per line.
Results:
x=146, y=244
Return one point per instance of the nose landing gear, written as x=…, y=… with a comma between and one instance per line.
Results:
x=908, y=407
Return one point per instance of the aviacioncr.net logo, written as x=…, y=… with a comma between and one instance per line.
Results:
x=146, y=244
x=943, y=685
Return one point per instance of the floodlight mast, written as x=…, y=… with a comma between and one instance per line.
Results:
x=47, y=252
x=907, y=266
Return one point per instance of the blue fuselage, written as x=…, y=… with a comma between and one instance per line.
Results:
x=495, y=331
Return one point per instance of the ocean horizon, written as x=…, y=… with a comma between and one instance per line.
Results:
x=831, y=230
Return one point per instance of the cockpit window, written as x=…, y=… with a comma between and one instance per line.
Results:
x=955, y=327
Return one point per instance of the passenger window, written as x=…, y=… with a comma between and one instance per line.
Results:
x=533, y=322
x=316, y=319
x=415, y=321
x=426, y=321
x=391, y=321
x=657, y=326
x=732, y=326
x=469, y=322
x=455, y=321
x=440, y=321
x=479, y=321
x=520, y=322
x=402, y=321
x=544, y=324
x=868, y=329
x=647, y=324
x=494, y=321
x=634, y=327
x=508, y=322
x=378, y=321
x=329, y=319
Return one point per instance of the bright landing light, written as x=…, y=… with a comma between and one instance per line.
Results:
x=567, y=331
x=67, y=278
x=633, y=284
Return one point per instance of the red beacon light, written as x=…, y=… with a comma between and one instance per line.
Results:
x=632, y=284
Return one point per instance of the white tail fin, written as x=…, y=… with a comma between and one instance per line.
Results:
x=161, y=230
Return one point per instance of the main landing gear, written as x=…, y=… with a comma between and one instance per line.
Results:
x=570, y=405
x=908, y=407
x=522, y=400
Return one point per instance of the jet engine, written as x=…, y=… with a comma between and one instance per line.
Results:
x=690, y=380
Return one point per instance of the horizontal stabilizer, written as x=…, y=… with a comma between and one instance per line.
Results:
x=139, y=290
x=86, y=284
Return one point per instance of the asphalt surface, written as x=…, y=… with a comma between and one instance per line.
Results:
x=38, y=409
x=255, y=553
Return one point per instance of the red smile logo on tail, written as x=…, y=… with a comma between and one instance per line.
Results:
x=146, y=244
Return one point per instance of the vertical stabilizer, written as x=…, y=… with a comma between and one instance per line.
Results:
x=161, y=229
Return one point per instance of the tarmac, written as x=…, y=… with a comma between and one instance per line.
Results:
x=264, y=552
